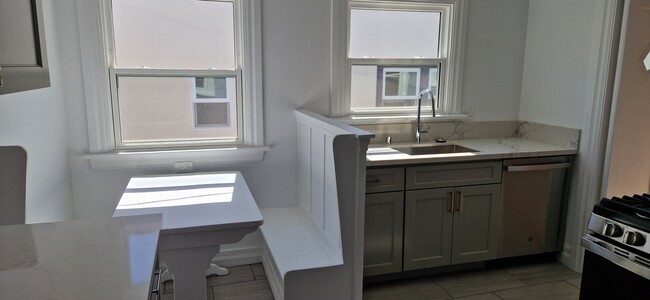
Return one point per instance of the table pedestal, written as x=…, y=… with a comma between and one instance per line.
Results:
x=188, y=267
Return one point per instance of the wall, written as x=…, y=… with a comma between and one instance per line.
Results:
x=35, y=120
x=496, y=41
x=629, y=170
x=296, y=60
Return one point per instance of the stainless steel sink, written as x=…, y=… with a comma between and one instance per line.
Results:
x=437, y=149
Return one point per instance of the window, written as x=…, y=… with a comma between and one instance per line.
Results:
x=176, y=73
x=397, y=49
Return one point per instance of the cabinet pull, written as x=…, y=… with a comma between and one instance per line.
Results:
x=459, y=208
x=450, y=203
x=156, y=290
x=0, y=76
x=373, y=180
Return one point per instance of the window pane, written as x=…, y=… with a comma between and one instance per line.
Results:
x=374, y=87
x=394, y=34
x=166, y=109
x=174, y=34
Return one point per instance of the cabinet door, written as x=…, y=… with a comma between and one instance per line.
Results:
x=428, y=218
x=384, y=219
x=23, y=58
x=476, y=215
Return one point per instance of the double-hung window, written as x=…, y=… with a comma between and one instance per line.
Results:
x=176, y=73
x=398, y=49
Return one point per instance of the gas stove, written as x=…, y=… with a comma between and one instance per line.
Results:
x=623, y=219
x=618, y=249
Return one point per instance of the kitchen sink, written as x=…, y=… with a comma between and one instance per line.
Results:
x=438, y=149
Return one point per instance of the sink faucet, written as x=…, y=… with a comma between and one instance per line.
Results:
x=418, y=126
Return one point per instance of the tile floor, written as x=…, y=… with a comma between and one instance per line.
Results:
x=529, y=282
x=244, y=282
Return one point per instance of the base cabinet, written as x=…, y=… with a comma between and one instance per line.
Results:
x=382, y=252
x=420, y=217
x=450, y=226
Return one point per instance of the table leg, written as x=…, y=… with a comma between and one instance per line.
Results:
x=188, y=267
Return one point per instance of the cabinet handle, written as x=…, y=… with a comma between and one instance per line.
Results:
x=460, y=202
x=373, y=180
x=450, y=199
x=156, y=290
x=0, y=76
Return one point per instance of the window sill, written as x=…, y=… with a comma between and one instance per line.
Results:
x=399, y=119
x=120, y=160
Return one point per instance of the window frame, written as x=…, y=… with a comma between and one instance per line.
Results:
x=102, y=151
x=451, y=53
x=145, y=71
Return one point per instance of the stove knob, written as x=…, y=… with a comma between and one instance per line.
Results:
x=612, y=230
x=633, y=238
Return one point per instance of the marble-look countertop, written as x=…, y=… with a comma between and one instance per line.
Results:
x=385, y=155
x=109, y=258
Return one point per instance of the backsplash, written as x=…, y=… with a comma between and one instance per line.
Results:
x=405, y=133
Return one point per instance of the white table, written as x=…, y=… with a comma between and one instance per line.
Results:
x=200, y=212
x=109, y=258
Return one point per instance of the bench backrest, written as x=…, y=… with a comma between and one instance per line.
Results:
x=332, y=184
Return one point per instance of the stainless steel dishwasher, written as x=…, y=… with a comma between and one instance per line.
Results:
x=532, y=191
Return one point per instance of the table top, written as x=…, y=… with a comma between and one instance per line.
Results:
x=192, y=202
x=85, y=259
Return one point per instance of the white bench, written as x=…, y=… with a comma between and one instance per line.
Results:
x=315, y=250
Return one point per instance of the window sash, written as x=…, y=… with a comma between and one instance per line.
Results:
x=116, y=73
x=400, y=63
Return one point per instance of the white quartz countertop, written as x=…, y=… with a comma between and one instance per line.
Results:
x=85, y=259
x=385, y=155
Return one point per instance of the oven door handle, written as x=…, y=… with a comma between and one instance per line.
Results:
x=603, y=250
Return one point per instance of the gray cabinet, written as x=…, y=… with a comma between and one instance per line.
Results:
x=383, y=233
x=428, y=216
x=450, y=226
x=23, y=57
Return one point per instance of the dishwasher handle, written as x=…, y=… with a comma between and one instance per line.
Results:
x=537, y=167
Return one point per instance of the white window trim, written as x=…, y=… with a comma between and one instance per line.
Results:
x=452, y=86
x=97, y=92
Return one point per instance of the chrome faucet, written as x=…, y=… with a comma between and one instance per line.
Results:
x=418, y=126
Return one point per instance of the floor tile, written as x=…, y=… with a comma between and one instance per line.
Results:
x=488, y=296
x=253, y=290
x=574, y=282
x=422, y=288
x=477, y=282
x=552, y=291
x=258, y=272
x=235, y=275
x=542, y=273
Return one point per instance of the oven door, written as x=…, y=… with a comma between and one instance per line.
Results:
x=608, y=275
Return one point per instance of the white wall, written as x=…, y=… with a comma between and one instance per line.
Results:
x=35, y=120
x=296, y=58
x=496, y=41
x=560, y=63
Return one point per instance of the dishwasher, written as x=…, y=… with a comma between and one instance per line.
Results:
x=532, y=193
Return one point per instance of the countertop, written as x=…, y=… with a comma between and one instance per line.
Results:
x=109, y=258
x=487, y=149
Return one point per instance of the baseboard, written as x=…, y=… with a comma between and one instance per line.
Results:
x=238, y=257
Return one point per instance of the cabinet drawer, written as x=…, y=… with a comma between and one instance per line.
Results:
x=446, y=175
x=384, y=180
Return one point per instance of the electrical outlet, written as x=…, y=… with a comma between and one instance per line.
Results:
x=183, y=166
